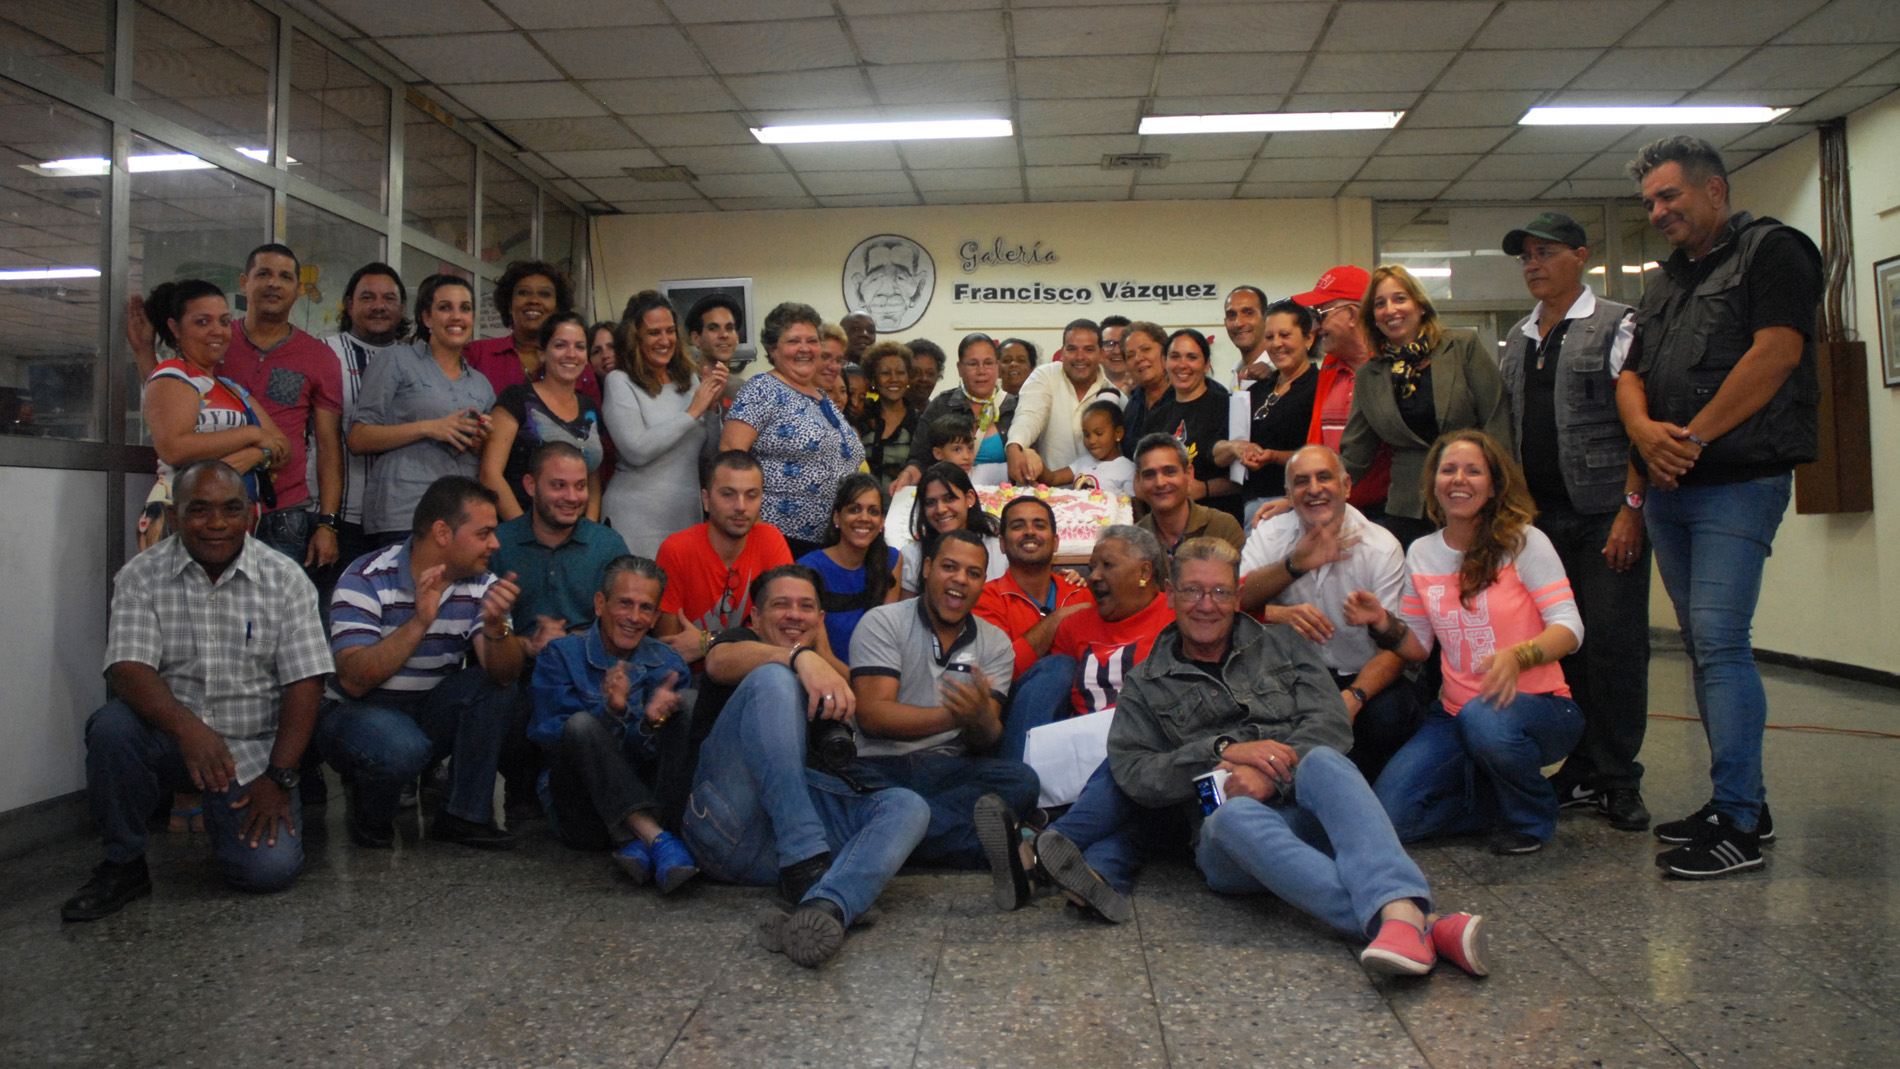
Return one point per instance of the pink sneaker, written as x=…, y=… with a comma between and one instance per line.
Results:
x=1400, y=950
x=1464, y=941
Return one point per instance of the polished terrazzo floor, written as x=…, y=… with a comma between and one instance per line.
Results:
x=439, y=956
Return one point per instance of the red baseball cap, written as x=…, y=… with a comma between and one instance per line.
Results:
x=1342, y=283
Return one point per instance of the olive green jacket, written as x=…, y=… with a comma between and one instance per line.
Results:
x=1467, y=391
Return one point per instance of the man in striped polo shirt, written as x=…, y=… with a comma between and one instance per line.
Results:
x=403, y=621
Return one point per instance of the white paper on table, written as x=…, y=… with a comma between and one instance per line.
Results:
x=1066, y=753
x=1239, y=427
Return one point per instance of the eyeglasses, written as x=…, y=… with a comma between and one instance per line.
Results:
x=729, y=599
x=1542, y=254
x=1192, y=595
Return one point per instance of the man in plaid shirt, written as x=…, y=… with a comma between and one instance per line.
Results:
x=217, y=657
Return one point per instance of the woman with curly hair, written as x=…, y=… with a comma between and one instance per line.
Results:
x=527, y=295
x=1489, y=589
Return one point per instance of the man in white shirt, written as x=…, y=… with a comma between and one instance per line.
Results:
x=1047, y=433
x=1298, y=568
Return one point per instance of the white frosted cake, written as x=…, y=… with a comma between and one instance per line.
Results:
x=1080, y=514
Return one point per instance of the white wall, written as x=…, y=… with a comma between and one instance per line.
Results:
x=1282, y=246
x=52, y=629
x=1832, y=587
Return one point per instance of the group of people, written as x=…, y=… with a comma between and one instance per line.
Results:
x=730, y=672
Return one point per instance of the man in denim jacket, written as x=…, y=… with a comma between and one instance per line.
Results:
x=600, y=699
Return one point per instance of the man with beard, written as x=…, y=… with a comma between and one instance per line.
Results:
x=711, y=565
x=928, y=676
x=372, y=321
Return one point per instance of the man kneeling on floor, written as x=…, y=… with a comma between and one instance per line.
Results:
x=1297, y=818
x=216, y=656
x=759, y=812
x=600, y=700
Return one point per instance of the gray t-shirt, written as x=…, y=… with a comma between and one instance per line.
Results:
x=896, y=640
x=406, y=385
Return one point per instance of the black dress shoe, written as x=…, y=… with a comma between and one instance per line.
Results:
x=1625, y=808
x=111, y=887
x=365, y=832
x=453, y=829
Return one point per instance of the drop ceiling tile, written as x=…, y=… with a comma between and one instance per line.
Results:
x=649, y=96
x=1392, y=25
x=1799, y=66
x=752, y=47
x=1205, y=146
x=1062, y=194
x=727, y=159
x=1202, y=28
x=1527, y=23
x=1090, y=31
x=1083, y=78
x=705, y=128
x=1846, y=22
x=982, y=152
x=1288, y=190
x=1381, y=72
x=745, y=10
x=1774, y=98
x=526, y=100
x=1494, y=190
x=1325, y=143
x=763, y=204
x=1414, y=168
x=1011, y=195
x=1084, y=149
x=473, y=57
x=384, y=56
x=1592, y=187
x=1039, y=118
x=870, y=200
x=1725, y=22
x=1242, y=73
x=1770, y=137
x=1657, y=68
x=1545, y=68
x=1146, y=189
x=1218, y=105
x=1399, y=101
x=576, y=14
x=615, y=52
x=888, y=7
x=844, y=183
x=1334, y=169
x=1885, y=72
x=1198, y=171
x=538, y=165
x=662, y=207
x=601, y=163
x=1469, y=109
x=936, y=180
x=842, y=156
x=1547, y=167
x=1838, y=102
x=1591, y=98
x=934, y=83
x=1561, y=139
x=574, y=190
x=1444, y=140
x=1392, y=190
x=378, y=18
x=569, y=135
x=838, y=88
x=623, y=188
x=1607, y=165
x=960, y=36
x=1077, y=178
x=719, y=186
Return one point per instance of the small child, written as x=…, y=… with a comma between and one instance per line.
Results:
x=953, y=439
x=855, y=385
x=1106, y=469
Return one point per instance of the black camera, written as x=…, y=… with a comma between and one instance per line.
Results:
x=831, y=744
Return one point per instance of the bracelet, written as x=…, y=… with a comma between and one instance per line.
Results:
x=1689, y=434
x=1291, y=571
x=705, y=643
x=1529, y=655
x=1359, y=693
x=1386, y=640
x=791, y=661
x=265, y=463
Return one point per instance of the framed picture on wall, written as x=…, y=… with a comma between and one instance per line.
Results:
x=1887, y=298
x=683, y=292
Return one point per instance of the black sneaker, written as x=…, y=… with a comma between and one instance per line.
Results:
x=1722, y=849
x=810, y=935
x=453, y=829
x=1060, y=861
x=111, y=887
x=1624, y=806
x=1690, y=828
x=1572, y=795
x=1506, y=842
x=997, y=831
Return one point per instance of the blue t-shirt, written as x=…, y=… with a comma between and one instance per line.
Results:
x=845, y=601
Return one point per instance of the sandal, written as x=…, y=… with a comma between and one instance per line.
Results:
x=187, y=815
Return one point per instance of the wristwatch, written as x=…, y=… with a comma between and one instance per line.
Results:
x=1634, y=500
x=1220, y=746
x=287, y=778
x=507, y=629
x=1359, y=693
x=327, y=519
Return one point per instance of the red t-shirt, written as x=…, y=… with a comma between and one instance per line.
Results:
x=699, y=586
x=1330, y=414
x=299, y=375
x=1004, y=604
x=498, y=362
x=1107, y=652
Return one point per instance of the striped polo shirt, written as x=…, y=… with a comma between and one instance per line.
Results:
x=377, y=595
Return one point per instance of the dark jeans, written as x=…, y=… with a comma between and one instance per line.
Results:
x=382, y=744
x=288, y=531
x=1386, y=722
x=521, y=761
x=130, y=765
x=1609, y=674
x=593, y=786
x=1480, y=769
x=952, y=785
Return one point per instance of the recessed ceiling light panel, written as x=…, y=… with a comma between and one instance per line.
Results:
x=931, y=130
x=1690, y=115
x=1271, y=122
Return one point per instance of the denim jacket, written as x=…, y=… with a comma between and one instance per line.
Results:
x=567, y=680
x=1171, y=711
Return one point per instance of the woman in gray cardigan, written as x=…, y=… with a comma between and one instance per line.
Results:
x=663, y=422
x=1423, y=382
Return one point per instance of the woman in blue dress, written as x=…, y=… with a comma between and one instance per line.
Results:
x=854, y=582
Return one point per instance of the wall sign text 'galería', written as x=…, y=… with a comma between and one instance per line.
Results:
x=974, y=255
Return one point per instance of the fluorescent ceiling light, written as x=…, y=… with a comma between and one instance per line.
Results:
x=1431, y=272
x=93, y=166
x=883, y=131
x=1271, y=122
x=1689, y=115
x=37, y=274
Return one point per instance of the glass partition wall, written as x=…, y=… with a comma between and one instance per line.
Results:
x=144, y=141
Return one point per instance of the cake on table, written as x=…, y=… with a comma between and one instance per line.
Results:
x=1080, y=514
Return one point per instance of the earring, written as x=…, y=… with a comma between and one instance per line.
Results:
x=1144, y=582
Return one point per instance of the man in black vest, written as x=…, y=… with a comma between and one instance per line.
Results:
x=1560, y=366
x=1720, y=400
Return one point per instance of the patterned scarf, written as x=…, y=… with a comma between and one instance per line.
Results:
x=991, y=412
x=1409, y=364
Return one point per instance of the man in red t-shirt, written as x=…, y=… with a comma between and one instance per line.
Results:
x=710, y=566
x=1030, y=599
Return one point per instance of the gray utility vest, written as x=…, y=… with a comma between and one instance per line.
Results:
x=1693, y=332
x=1592, y=450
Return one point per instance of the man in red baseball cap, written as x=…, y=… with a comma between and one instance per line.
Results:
x=1335, y=300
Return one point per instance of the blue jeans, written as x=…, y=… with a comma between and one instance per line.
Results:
x=1711, y=543
x=130, y=765
x=1331, y=852
x=1481, y=768
x=952, y=784
x=1112, y=830
x=1040, y=697
x=755, y=808
x=381, y=745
